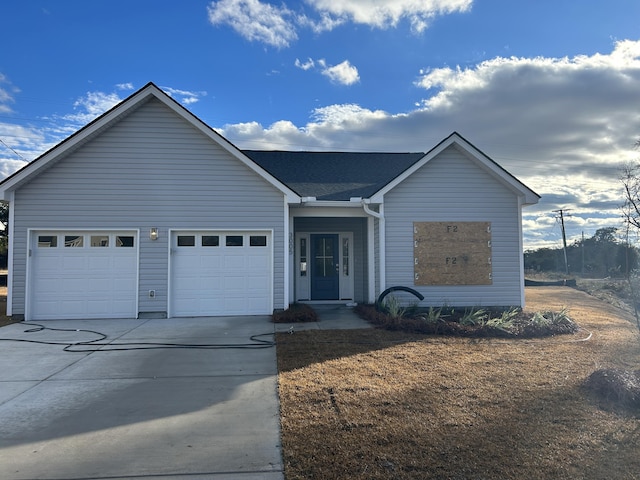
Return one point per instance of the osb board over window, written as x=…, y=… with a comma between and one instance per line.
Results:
x=452, y=253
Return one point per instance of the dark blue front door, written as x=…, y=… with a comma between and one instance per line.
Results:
x=325, y=281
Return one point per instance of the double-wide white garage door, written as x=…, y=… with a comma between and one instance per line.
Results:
x=221, y=273
x=83, y=275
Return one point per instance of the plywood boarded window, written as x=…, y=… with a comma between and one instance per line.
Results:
x=452, y=253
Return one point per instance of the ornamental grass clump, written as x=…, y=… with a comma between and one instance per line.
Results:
x=544, y=324
x=474, y=316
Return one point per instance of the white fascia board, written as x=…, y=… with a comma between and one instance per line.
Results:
x=327, y=211
x=331, y=204
x=528, y=196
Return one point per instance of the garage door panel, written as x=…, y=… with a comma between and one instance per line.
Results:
x=210, y=261
x=259, y=262
x=82, y=281
x=74, y=286
x=124, y=285
x=234, y=283
x=255, y=283
x=98, y=286
x=98, y=306
x=219, y=280
x=100, y=263
x=258, y=303
x=72, y=307
x=50, y=264
x=74, y=261
x=234, y=261
x=234, y=304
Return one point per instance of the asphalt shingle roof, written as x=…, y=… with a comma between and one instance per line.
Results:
x=333, y=175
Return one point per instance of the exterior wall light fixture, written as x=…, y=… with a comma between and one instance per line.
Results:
x=153, y=233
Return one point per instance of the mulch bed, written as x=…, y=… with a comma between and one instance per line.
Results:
x=451, y=323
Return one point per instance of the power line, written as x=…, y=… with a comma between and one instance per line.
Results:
x=10, y=148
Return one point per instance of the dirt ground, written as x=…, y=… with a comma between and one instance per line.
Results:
x=373, y=404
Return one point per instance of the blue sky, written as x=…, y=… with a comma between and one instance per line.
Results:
x=548, y=89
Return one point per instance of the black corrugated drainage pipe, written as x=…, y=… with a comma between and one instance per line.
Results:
x=394, y=289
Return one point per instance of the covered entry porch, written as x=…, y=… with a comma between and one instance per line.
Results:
x=333, y=259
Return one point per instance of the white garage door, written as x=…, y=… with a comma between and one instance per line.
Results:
x=83, y=275
x=221, y=273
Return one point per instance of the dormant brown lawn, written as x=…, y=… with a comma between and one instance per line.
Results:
x=385, y=405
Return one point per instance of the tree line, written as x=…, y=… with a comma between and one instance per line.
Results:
x=602, y=255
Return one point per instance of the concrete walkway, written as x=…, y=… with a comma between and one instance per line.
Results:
x=180, y=413
x=331, y=317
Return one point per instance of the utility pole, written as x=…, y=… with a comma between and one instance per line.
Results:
x=564, y=239
x=583, y=252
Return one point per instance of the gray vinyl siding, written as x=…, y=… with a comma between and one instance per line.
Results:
x=453, y=188
x=151, y=169
x=358, y=226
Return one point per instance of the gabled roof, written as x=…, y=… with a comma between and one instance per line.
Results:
x=331, y=176
x=527, y=196
x=334, y=176
x=110, y=117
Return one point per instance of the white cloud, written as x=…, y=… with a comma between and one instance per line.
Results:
x=7, y=92
x=344, y=73
x=186, y=97
x=309, y=64
x=125, y=86
x=278, y=26
x=92, y=105
x=384, y=14
x=255, y=21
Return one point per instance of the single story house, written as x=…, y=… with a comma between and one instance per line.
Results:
x=147, y=211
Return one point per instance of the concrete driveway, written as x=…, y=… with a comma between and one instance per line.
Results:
x=180, y=413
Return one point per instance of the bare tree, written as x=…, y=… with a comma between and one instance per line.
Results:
x=630, y=178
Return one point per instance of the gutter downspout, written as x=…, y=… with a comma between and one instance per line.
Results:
x=381, y=243
x=11, y=236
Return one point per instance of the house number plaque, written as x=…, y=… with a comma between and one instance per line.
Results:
x=452, y=253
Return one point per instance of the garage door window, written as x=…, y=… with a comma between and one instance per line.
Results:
x=258, y=240
x=124, y=241
x=186, y=240
x=210, y=241
x=47, y=241
x=234, y=240
x=75, y=241
x=99, y=240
